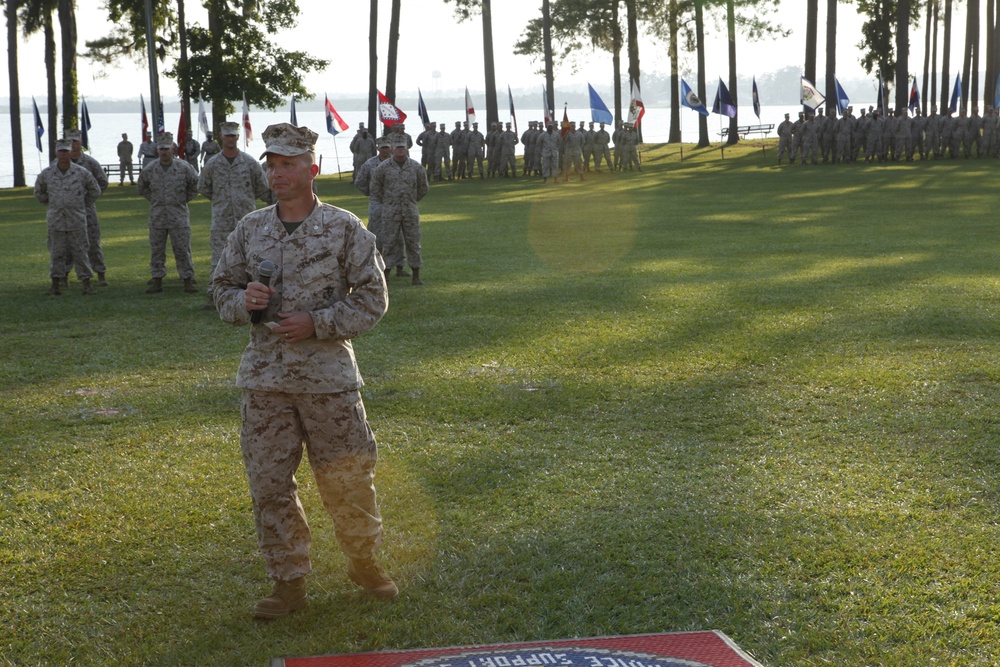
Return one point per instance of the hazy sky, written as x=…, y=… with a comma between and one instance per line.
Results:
x=437, y=53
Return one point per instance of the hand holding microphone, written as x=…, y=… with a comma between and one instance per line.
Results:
x=266, y=270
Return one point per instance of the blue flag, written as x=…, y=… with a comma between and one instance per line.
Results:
x=756, y=99
x=996, y=95
x=843, y=101
x=691, y=100
x=39, y=128
x=84, y=124
x=724, y=104
x=294, y=117
x=956, y=94
x=599, y=112
x=422, y=109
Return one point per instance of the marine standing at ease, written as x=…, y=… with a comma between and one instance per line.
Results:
x=169, y=184
x=298, y=374
x=233, y=181
x=67, y=189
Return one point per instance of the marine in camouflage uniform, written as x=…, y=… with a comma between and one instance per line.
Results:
x=125, y=149
x=601, y=149
x=233, y=181
x=459, y=146
x=528, y=142
x=147, y=151
x=784, y=138
x=550, y=144
x=475, y=150
x=191, y=151
x=362, y=147
x=67, y=189
x=493, y=150
x=508, y=159
x=90, y=163
x=209, y=148
x=363, y=183
x=442, y=151
x=426, y=142
x=299, y=376
x=169, y=184
x=573, y=147
x=399, y=183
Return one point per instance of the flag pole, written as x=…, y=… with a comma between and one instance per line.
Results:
x=336, y=154
x=682, y=135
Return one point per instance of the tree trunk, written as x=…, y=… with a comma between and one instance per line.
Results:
x=946, y=58
x=934, y=57
x=812, y=19
x=699, y=26
x=489, y=68
x=990, y=83
x=674, y=136
x=373, y=69
x=616, y=60
x=215, y=28
x=902, y=53
x=733, y=136
x=970, y=73
x=547, y=45
x=390, y=65
x=16, y=144
x=927, y=58
x=633, y=51
x=185, y=87
x=831, y=53
x=51, y=92
x=71, y=96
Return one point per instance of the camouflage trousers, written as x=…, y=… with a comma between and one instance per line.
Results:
x=95, y=254
x=342, y=454
x=401, y=231
x=376, y=227
x=69, y=249
x=180, y=241
x=217, y=237
x=605, y=152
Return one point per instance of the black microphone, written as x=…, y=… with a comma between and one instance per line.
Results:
x=266, y=270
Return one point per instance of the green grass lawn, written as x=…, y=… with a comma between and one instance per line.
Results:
x=716, y=394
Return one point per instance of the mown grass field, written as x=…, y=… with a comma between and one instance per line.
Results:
x=715, y=394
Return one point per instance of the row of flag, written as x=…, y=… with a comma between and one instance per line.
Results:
x=389, y=114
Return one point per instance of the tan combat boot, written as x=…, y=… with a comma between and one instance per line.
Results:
x=370, y=576
x=286, y=597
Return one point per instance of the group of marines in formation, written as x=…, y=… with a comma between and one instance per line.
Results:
x=549, y=151
x=893, y=136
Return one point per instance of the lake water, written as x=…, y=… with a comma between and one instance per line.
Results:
x=106, y=130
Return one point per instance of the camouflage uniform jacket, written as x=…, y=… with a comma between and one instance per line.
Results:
x=574, y=143
x=328, y=267
x=168, y=191
x=399, y=187
x=91, y=164
x=234, y=188
x=67, y=195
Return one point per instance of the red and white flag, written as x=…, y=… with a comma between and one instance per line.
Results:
x=145, y=120
x=247, y=130
x=334, y=123
x=181, y=135
x=546, y=111
x=636, y=108
x=470, y=111
x=388, y=112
